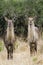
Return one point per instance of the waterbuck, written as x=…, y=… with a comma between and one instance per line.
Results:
x=9, y=38
x=32, y=35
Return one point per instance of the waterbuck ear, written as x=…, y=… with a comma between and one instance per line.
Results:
x=6, y=19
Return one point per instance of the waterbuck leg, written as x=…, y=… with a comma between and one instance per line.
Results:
x=11, y=52
x=8, y=55
x=11, y=55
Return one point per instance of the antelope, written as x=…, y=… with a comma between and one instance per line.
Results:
x=32, y=35
x=9, y=38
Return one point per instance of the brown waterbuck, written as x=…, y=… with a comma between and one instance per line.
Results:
x=9, y=38
x=32, y=35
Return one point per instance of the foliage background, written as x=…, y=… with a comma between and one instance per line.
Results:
x=19, y=11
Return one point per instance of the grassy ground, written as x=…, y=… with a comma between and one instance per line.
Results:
x=21, y=55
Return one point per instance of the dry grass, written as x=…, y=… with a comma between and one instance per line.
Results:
x=21, y=55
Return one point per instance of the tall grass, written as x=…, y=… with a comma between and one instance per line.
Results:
x=1, y=46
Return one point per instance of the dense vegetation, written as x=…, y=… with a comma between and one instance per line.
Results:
x=19, y=11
